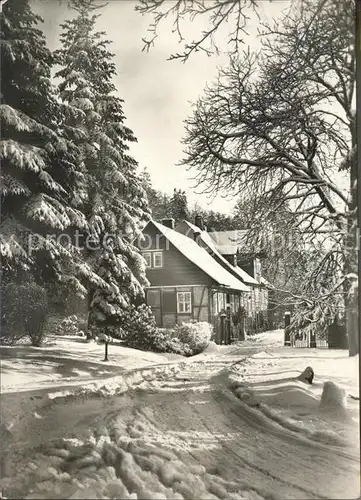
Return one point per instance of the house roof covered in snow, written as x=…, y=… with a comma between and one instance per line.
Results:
x=229, y=242
x=201, y=258
x=208, y=240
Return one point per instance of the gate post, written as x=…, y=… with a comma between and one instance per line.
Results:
x=336, y=336
x=287, y=339
x=223, y=318
x=313, y=342
x=228, y=324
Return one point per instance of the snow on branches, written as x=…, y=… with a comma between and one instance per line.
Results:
x=115, y=205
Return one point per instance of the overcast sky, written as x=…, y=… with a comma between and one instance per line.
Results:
x=157, y=92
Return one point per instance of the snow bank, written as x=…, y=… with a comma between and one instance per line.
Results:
x=274, y=383
x=333, y=399
x=72, y=361
x=137, y=378
x=214, y=348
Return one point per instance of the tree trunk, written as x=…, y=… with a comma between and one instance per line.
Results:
x=351, y=266
x=351, y=273
x=89, y=333
x=353, y=223
x=352, y=326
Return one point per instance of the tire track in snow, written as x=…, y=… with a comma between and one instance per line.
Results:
x=177, y=441
x=307, y=448
x=232, y=452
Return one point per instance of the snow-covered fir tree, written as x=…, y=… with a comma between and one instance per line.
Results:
x=179, y=205
x=159, y=203
x=115, y=203
x=38, y=163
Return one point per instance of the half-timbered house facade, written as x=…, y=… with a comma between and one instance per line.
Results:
x=191, y=281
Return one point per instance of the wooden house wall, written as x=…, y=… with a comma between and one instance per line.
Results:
x=264, y=299
x=177, y=269
x=178, y=274
x=163, y=301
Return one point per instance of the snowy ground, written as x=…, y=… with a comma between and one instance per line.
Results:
x=72, y=361
x=221, y=425
x=69, y=361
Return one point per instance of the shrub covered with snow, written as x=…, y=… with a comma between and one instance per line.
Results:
x=24, y=311
x=187, y=339
x=68, y=326
x=140, y=331
x=195, y=337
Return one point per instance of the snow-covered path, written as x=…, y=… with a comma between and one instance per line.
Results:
x=183, y=434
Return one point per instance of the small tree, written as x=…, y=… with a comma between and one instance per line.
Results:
x=24, y=311
x=179, y=205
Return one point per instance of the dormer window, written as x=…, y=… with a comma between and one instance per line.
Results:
x=153, y=259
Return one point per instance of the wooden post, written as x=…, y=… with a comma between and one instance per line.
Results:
x=161, y=306
x=176, y=305
x=228, y=324
x=223, y=317
x=287, y=341
x=313, y=342
x=210, y=307
x=192, y=301
x=106, y=350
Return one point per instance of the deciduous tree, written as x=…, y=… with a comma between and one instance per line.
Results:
x=280, y=125
x=218, y=14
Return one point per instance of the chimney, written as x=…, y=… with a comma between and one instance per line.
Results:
x=168, y=223
x=198, y=221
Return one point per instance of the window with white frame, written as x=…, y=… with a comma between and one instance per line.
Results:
x=153, y=259
x=157, y=259
x=148, y=258
x=184, y=302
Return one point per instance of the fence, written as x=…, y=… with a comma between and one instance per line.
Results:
x=335, y=338
x=308, y=340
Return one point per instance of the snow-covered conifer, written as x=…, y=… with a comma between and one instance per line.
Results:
x=179, y=205
x=116, y=204
x=38, y=163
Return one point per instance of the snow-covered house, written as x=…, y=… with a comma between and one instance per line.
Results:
x=231, y=250
x=191, y=280
x=234, y=247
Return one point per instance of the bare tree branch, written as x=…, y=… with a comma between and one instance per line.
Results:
x=233, y=13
